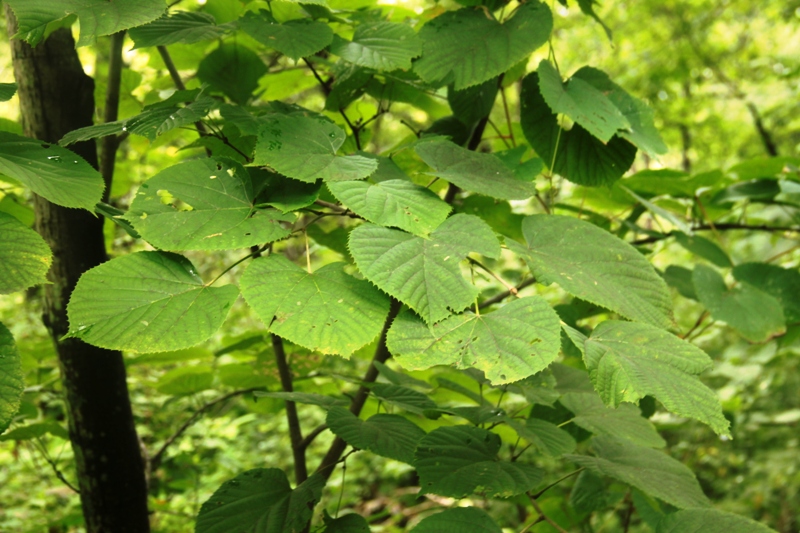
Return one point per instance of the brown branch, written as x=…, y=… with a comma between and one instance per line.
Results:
x=503, y=295
x=313, y=434
x=159, y=455
x=295, y=433
x=725, y=226
x=545, y=517
x=381, y=355
x=110, y=143
x=176, y=79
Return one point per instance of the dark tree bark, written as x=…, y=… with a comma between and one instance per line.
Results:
x=56, y=97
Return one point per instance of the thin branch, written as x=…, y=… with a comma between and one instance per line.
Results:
x=545, y=517
x=295, y=433
x=159, y=455
x=626, y=518
x=54, y=466
x=722, y=227
x=255, y=253
x=510, y=288
x=325, y=85
x=556, y=482
x=110, y=143
x=508, y=115
x=313, y=434
x=696, y=325
x=381, y=355
x=176, y=79
x=503, y=295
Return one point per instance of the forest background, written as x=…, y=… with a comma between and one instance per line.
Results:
x=723, y=81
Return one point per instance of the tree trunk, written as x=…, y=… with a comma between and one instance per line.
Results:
x=57, y=97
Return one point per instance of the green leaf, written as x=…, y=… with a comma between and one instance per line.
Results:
x=581, y=102
x=575, y=154
x=35, y=431
x=320, y=400
x=294, y=38
x=755, y=314
x=386, y=435
x=12, y=384
x=640, y=131
x=147, y=302
x=458, y=520
x=24, y=256
x=474, y=171
x=7, y=91
x=328, y=311
x=519, y=339
x=704, y=248
x=304, y=148
x=186, y=380
x=460, y=460
x=783, y=284
x=472, y=104
x=154, y=120
x=422, y=272
x=491, y=49
x=592, y=264
x=398, y=203
x=233, y=70
x=623, y=422
x=398, y=378
x=53, y=172
x=548, y=437
x=672, y=218
x=282, y=193
x=681, y=279
x=185, y=27
x=349, y=523
x=260, y=500
x=589, y=494
x=709, y=521
x=380, y=45
x=403, y=397
x=97, y=17
x=651, y=471
x=203, y=204
x=627, y=361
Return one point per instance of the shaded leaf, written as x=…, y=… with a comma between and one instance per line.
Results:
x=260, y=500
x=649, y=470
x=399, y=203
x=474, y=171
x=186, y=380
x=380, y=45
x=386, y=435
x=627, y=361
x=709, y=521
x=424, y=273
x=755, y=314
x=24, y=256
x=472, y=104
x=596, y=266
x=185, y=27
x=704, y=248
x=458, y=520
x=328, y=311
x=349, y=523
x=783, y=284
x=203, y=204
x=7, y=91
x=460, y=460
x=492, y=47
x=53, y=172
x=305, y=397
x=519, y=339
x=548, y=437
x=233, y=70
x=293, y=38
x=403, y=397
x=12, y=383
x=147, y=302
x=304, y=148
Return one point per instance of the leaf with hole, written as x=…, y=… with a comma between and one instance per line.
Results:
x=627, y=361
x=260, y=500
x=649, y=470
x=594, y=265
x=491, y=49
x=147, y=302
x=387, y=435
x=24, y=256
x=379, y=45
x=395, y=203
x=461, y=460
x=519, y=339
x=55, y=173
x=327, y=311
x=474, y=171
x=424, y=273
x=203, y=204
x=305, y=148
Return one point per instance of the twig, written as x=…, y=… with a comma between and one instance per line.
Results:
x=176, y=79
x=110, y=143
x=508, y=115
x=54, y=466
x=545, y=517
x=325, y=85
x=503, y=295
x=510, y=288
x=626, y=518
x=381, y=355
x=722, y=227
x=254, y=253
x=295, y=433
x=158, y=456
x=699, y=321
x=313, y=434
x=556, y=482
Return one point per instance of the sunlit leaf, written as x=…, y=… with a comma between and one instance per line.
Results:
x=24, y=256
x=386, y=435
x=11, y=379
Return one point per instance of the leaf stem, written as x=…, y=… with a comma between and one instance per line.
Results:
x=503, y=295
x=556, y=482
x=545, y=517
x=255, y=253
x=510, y=288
